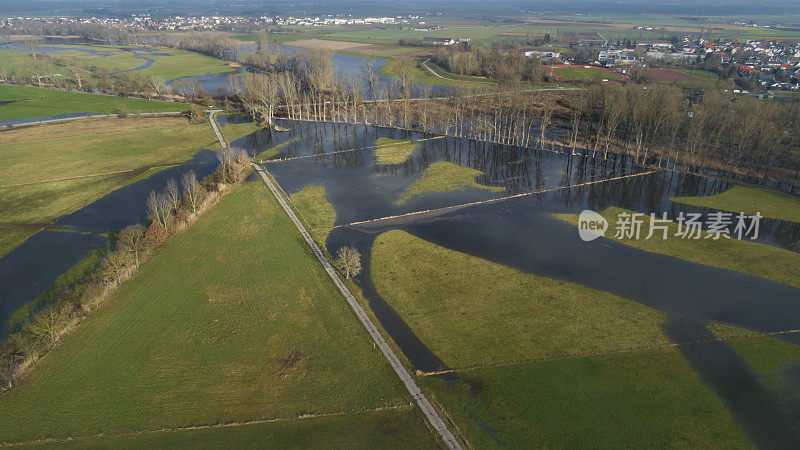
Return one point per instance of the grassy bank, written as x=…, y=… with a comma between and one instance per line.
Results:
x=760, y=260
x=233, y=320
x=394, y=151
x=749, y=200
x=31, y=102
x=51, y=170
x=312, y=204
x=474, y=312
x=444, y=176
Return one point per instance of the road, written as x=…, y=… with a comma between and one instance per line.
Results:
x=430, y=413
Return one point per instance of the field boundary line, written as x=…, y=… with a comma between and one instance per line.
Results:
x=430, y=413
x=493, y=200
x=8, y=125
x=609, y=352
x=206, y=427
x=78, y=177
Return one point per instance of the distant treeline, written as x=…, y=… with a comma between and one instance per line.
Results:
x=499, y=62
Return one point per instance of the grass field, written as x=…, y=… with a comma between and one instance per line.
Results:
x=394, y=151
x=474, y=312
x=26, y=102
x=390, y=429
x=316, y=211
x=585, y=74
x=514, y=339
x=233, y=131
x=51, y=170
x=761, y=260
x=750, y=200
x=234, y=320
x=443, y=176
x=273, y=37
x=767, y=355
x=168, y=63
x=650, y=398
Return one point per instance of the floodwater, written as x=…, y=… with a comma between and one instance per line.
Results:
x=53, y=252
x=522, y=233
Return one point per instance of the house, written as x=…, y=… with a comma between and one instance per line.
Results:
x=542, y=55
x=438, y=41
x=617, y=57
x=662, y=46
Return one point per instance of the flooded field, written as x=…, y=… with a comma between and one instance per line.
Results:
x=53, y=252
x=522, y=232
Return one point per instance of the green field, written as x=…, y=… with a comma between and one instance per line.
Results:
x=394, y=151
x=761, y=260
x=650, y=398
x=443, y=176
x=585, y=74
x=273, y=37
x=77, y=162
x=233, y=131
x=441, y=296
x=26, y=102
x=169, y=63
x=313, y=206
x=750, y=200
x=233, y=321
x=519, y=334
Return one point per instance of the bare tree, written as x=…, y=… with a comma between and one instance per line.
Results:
x=191, y=190
x=47, y=325
x=173, y=194
x=132, y=240
x=348, y=260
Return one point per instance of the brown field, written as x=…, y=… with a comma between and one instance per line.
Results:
x=85, y=127
x=665, y=75
x=338, y=46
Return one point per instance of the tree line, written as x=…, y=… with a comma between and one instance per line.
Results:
x=168, y=212
x=500, y=62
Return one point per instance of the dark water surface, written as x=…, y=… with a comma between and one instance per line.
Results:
x=522, y=233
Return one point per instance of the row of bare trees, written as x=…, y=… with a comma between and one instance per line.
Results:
x=169, y=211
x=655, y=125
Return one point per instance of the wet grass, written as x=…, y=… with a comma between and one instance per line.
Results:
x=313, y=206
x=444, y=176
x=201, y=335
x=648, y=398
x=750, y=200
x=51, y=170
x=756, y=259
x=394, y=151
x=470, y=311
x=32, y=102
